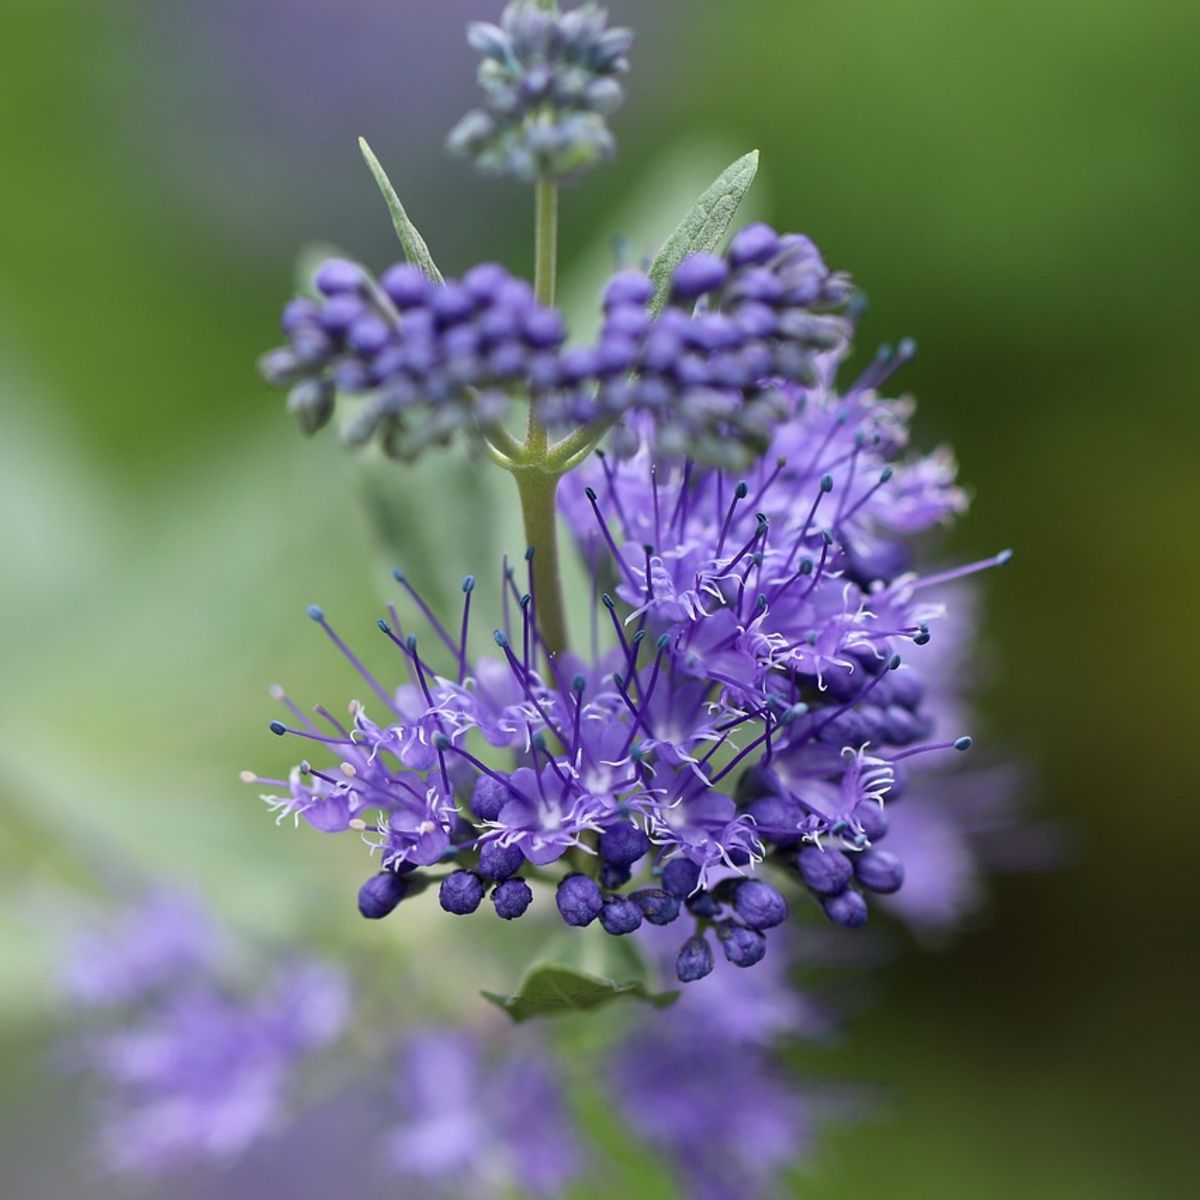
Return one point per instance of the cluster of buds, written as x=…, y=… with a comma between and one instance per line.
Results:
x=549, y=80
x=429, y=359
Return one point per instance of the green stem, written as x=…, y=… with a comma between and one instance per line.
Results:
x=536, y=489
x=546, y=241
x=537, y=478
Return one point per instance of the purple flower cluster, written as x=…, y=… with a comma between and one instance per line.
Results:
x=549, y=80
x=709, y=373
x=194, y=1070
x=710, y=369
x=757, y=698
x=429, y=359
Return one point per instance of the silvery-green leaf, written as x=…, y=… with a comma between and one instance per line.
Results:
x=704, y=228
x=415, y=249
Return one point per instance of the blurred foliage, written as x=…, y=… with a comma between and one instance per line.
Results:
x=1013, y=184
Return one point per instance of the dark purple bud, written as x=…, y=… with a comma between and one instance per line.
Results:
x=507, y=361
x=352, y=376
x=662, y=349
x=613, y=877
x=380, y=895
x=368, y=334
x=826, y=872
x=658, y=907
x=869, y=816
x=623, y=844
x=543, y=328
x=461, y=893
x=577, y=363
x=489, y=797
x=900, y=727
x=743, y=947
x=512, y=898
x=777, y=819
x=906, y=688
x=695, y=960
x=755, y=244
x=879, y=871
x=579, y=900
x=702, y=904
x=620, y=915
x=485, y=282
x=298, y=312
x=614, y=354
x=680, y=877
x=759, y=904
x=451, y=303
x=405, y=285
x=499, y=862
x=711, y=331
x=628, y=320
x=848, y=909
x=338, y=275
x=340, y=312
x=759, y=285
x=697, y=274
x=628, y=288
x=755, y=320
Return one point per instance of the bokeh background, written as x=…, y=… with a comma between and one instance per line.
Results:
x=1014, y=184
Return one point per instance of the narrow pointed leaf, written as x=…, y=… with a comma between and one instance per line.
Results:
x=704, y=228
x=413, y=244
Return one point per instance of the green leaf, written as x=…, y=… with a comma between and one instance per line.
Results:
x=581, y=973
x=413, y=243
x=706, y=225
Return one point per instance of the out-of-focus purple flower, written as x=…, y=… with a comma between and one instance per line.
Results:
x=193, y=1070
x=121, y=957
x=473, y=1125
x=728, y=1117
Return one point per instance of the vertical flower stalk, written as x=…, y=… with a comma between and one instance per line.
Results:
x=537, y=480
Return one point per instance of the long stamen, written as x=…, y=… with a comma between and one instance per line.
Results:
x=426, y=611
x=524, y=677
x=612, y=546
x=468, y=588
x=739, y=493
x=884, y=476
x=893, y=663
x=318, y=615
x=997, y=560
x=780, y=463
x=960, y=744
x=613, y=492
x=826, y=486
x=279, y=729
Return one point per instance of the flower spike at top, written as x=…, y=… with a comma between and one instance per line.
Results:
x=549, y=80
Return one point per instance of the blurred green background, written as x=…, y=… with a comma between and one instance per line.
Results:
x=1014, y=184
